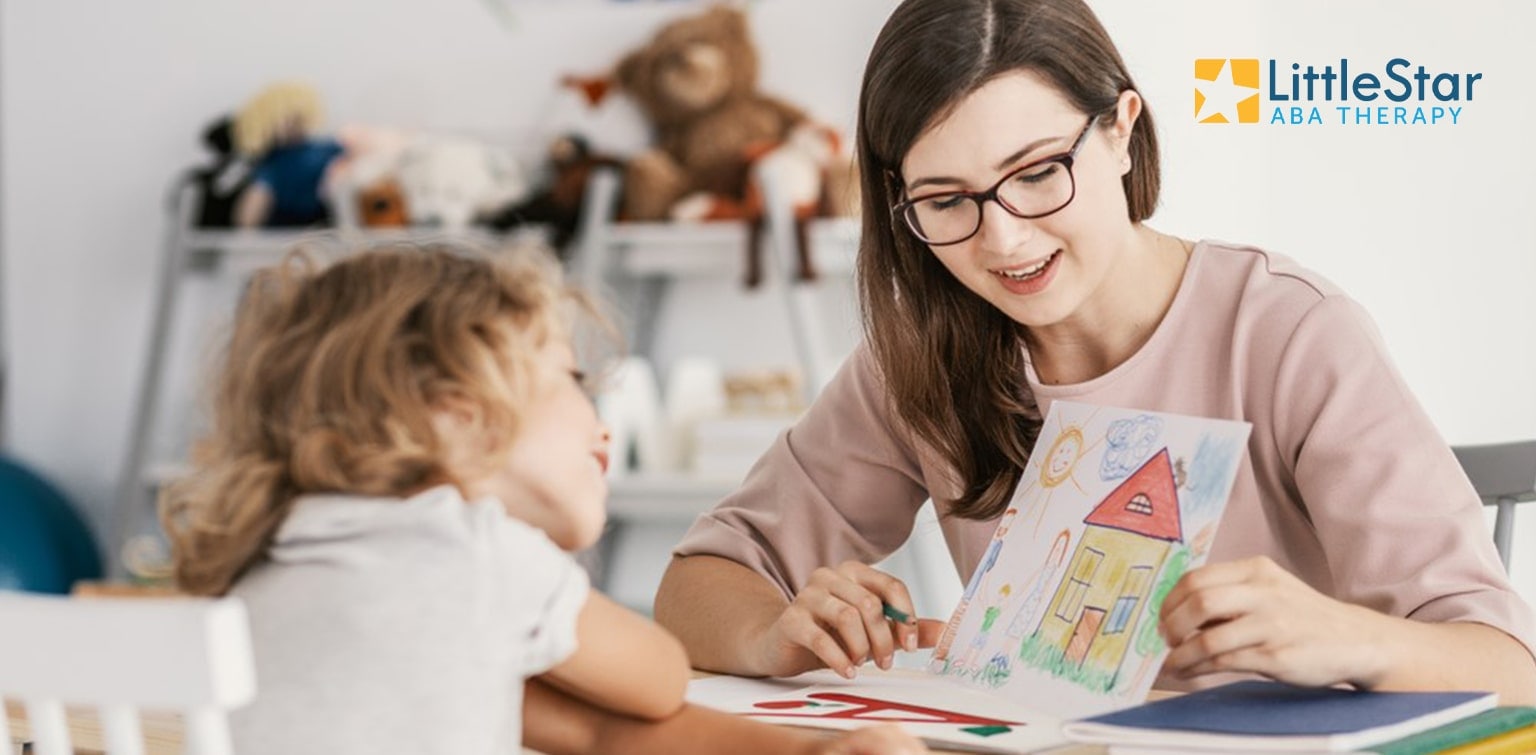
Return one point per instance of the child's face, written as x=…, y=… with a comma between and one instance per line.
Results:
x=554, y=475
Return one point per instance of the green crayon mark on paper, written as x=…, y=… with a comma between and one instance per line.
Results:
x=987, y=731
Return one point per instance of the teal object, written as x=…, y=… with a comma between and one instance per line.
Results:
x=44, y=544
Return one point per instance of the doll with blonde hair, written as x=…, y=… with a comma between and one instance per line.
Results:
x=277, y=130
x=400, y=460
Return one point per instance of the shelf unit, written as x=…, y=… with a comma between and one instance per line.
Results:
x=646, y=259
x=650, y=256
x=640, y=259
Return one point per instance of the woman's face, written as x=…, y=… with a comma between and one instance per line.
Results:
x=1039, y=272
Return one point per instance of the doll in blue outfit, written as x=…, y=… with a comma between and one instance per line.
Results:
x=291, y=165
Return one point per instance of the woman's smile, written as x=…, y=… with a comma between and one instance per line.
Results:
x=1029, y=277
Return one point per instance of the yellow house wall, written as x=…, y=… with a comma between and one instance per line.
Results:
x=1122, y=551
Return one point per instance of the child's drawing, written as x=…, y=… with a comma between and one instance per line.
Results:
x=988, y=619
x=1027, y=618
x=1131, y=441
x=988, y=559
x=1123, y=545
x=1080, y=605
x=1067, y=446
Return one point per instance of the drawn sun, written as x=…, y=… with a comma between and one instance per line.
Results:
x=1057, y=468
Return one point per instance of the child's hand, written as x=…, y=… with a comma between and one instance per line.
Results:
x=885, y=739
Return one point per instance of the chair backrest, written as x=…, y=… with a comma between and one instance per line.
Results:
x=1504, y=474
x=122, y=655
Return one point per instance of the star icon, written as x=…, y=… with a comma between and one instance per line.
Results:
x=1218, y=100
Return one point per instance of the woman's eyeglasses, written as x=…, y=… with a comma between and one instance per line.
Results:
x=1032, y=191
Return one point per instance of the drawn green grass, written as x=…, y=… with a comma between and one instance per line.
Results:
x=1051, y=659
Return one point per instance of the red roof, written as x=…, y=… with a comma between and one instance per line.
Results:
x=1154, y=480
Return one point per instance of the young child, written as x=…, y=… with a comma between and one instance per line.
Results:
x=400, y=458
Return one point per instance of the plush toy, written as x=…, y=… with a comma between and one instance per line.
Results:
x=381, y=204
x=364, y=182
x=717, y=138
x=813, y=179
x=219, y=184
x=452, y=182
x=558, y=203
x=696, y=81
x=277, y=132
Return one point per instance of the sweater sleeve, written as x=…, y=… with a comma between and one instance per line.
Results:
x=839, y=485
x=1401, y=525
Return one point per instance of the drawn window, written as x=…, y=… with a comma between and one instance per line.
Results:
x=1130, y=594
x=1078, y=583
x=1139, y=504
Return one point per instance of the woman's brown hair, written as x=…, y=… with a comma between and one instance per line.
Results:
x=953, y=364
x=330, y=380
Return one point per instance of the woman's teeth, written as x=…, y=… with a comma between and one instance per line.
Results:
x=1027, y=272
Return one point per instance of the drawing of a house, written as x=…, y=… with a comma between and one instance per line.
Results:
x=1093, y=613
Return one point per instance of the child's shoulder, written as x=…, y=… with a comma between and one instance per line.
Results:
x=434, y=542
x=438, y=519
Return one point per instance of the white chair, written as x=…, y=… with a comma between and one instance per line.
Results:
x=121, y=655
x=1504, y=474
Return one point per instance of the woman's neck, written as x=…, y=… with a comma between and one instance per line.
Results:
x=1119, y=317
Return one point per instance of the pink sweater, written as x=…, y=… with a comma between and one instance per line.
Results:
x=1346, y=483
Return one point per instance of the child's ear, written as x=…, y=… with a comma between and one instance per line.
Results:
x=459, y=425
x=454, y=414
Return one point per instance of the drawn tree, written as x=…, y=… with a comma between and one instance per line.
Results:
x=1148, y=643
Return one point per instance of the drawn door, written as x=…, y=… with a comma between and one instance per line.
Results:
x=1082, y=636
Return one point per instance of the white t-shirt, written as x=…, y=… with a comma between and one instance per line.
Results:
x=384, y=625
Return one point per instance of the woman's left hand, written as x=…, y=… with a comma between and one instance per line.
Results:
x=1253, y=616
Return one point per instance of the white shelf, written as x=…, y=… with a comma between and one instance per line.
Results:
x=642, y=497
x=643, y=249
x=704, y=249
x=268, y=245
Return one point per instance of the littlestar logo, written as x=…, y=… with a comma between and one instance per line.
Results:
x=1227, y=90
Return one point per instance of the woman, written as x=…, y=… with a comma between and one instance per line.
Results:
x=1009, y=164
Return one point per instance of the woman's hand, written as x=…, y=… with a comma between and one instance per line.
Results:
x=885, y=739
x=837, y=621
x=1253, y=616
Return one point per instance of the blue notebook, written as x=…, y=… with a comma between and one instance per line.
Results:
x=1270, y=716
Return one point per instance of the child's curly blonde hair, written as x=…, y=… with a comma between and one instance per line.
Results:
x=331, y=379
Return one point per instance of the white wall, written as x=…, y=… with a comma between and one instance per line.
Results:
x=1430, y=228
x=103, y=101
x=1427, y=226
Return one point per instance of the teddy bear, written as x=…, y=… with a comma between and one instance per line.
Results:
x=696, y=82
